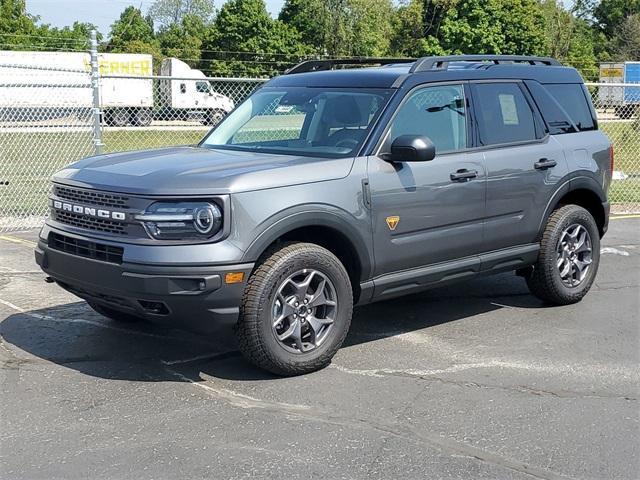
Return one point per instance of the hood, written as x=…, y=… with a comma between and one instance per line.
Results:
x=198, y=171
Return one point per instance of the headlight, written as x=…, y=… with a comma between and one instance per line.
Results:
x=182, y=220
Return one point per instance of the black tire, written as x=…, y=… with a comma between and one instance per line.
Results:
x=142, y=117
x=114, y=315
x=625, y=112
x=214, y=117
x=118, y=117
x=256, y=337
x=545, y=282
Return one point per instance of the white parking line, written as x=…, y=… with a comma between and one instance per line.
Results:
x=586, y=372
x=614, y=251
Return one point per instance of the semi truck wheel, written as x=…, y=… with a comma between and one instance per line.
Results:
x=214, y=117
x=625, y=112
x=142, y=117
x=568, y=259
x=296, y=310
x=117, y=117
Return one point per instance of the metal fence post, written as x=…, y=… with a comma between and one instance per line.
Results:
x=95, y=86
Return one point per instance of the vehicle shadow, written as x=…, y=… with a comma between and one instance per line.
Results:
x=74, y=336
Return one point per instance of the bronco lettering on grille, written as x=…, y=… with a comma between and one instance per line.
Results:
x=90, y=211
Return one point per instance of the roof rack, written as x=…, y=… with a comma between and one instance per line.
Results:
x=442, y=63
x=321, y=65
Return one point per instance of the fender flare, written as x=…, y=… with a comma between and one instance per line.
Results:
x=570, y=184
x=313, y=216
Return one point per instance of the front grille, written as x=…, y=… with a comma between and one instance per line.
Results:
x=89, y=223
x=91, y=197
x=84, y=248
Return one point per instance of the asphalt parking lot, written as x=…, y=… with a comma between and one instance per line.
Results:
x=478, y=380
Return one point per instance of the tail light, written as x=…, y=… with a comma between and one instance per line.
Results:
x=611, y=158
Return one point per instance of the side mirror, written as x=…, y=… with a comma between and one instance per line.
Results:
x=412, y=148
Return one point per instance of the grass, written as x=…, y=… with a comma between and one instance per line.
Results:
x=27, y=160
x=625, y=137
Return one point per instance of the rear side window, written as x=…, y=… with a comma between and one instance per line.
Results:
x=504, y=115
x=572, y=98
x=555, y=117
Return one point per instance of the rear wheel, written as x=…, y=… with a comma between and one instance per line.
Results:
x=569, y=257
x=296, y=310
x=114, y=315
x=118, y=117
x=142, y=117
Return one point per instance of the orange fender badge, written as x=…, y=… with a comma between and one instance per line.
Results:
x=392, y=222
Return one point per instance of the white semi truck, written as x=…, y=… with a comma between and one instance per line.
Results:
x=45, y=85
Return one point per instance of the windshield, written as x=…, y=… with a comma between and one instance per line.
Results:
x=323, y=122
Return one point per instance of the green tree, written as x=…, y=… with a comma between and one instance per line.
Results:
x=485, y=26
x=570, y=37
x=133, y=33
x=626, y=41
x=184, y=40
x=131, y=26
x=610, y=14
x=246, y=40
x=410, y=23
x=171, y=12
x=17, y=27
x=342, y=27
x=21, y=31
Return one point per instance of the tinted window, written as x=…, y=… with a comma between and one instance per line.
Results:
x=326, y=122
x=202, y=87
x=572, y=98
x=556, y=119
x=437, y=112
x=504, y=115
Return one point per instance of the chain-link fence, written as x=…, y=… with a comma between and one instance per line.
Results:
x=618, y=109
x=49, y=119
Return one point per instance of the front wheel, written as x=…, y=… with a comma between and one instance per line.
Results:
x=296, y=310
x=569, y=257
x=214, y=117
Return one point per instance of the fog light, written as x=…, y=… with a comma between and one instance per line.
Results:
x=234, y=277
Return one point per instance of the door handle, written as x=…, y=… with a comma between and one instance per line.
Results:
x=463, y=175
x=544, y=163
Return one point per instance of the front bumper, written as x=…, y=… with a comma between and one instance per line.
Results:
x=186, y=296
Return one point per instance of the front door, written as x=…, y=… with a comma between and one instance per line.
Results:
x=425, y=213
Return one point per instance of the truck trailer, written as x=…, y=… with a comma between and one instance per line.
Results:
x=37, y=86
x=625, y=100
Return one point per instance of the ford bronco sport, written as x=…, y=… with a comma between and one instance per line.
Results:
x=330, y=187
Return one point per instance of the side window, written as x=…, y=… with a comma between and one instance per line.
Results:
x=557, y=120
x=202, y=87
x=572, y=98
x=438, y=112
x=183, y=88
x=504, y=115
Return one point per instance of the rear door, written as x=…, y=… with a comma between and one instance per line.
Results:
x=428, y=212
x=523, y=162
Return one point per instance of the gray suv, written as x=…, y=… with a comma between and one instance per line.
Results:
x=331, y=187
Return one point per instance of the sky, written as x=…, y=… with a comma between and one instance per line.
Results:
x=101, y=13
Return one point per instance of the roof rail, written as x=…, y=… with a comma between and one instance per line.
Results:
x=442, y=63
x=329, y=64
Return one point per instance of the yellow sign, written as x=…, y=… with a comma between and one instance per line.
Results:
x=127, y=67
x=612, y=72
x=392, y=222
